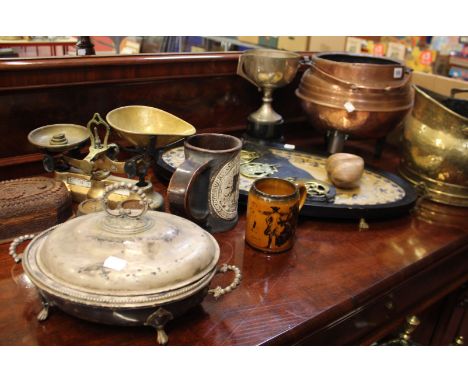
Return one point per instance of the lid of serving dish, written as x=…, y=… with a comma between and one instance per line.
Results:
x=123, y=253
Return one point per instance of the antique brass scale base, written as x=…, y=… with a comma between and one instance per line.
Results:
x=88, y=178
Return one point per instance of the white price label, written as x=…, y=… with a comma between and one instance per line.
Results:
x=79, y=182
x=397, y=72
x=349, y=107
x=115, y=263
x=122, y=192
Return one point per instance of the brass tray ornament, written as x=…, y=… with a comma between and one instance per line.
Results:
x=379, y=195
x=124, y=266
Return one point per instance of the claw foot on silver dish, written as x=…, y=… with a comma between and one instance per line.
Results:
x=44, y=313
x=158, y=320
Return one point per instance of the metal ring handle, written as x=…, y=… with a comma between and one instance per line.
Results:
x=12, y=250
x=123, y=212
x=218, y=291
x=349, y=84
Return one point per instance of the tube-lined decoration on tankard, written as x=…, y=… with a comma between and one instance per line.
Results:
x=224, y=193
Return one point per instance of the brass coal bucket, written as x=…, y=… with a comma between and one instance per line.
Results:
x=435, y=147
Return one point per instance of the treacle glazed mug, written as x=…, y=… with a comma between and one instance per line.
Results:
x=272, y=210
x=205, y=188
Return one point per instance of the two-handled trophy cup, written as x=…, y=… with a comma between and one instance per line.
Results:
x=267, y=69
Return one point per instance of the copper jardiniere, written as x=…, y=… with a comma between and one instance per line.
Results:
x=358, y=95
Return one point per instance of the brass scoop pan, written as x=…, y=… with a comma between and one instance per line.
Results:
x=138, y=124
x=59, y=137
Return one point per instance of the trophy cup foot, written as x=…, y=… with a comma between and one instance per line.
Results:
x=265, y=132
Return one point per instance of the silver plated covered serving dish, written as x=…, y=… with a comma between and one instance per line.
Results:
x=124, y=266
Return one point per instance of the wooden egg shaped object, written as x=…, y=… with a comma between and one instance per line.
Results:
x=345, y=170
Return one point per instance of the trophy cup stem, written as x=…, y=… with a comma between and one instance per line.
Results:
x=265, y=114
x=267, y=95
x=265, y=123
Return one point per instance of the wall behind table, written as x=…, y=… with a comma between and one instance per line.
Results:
x=202, y=89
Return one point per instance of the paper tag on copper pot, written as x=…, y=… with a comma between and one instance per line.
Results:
x=349, y=107
x=114, y=263
x=397, y=72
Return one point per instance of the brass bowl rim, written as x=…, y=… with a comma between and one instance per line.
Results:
x=66, y=146
x=272, y=53
x=420, y=91
x=192, y=131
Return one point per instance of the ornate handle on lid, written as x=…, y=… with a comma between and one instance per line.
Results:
x=125, y=212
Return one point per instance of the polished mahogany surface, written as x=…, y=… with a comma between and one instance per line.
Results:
x=338, y=285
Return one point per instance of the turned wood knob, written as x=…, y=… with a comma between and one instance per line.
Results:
x=345, y=170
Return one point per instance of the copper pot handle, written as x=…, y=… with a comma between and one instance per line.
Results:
x=12, y=250
x=350, y=84
x=218, y=291
x=305, y=61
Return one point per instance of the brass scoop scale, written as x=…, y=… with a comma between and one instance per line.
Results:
x=146, y=128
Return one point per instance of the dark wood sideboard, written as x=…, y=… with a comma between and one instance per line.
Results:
x=337, y=286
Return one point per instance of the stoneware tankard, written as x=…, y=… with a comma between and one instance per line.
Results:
x=205, y=188
x=272, y=210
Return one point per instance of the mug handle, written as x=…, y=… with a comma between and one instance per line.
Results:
x=180, y=185
x=302, y=194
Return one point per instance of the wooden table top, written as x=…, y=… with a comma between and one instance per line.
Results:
x=332, y=269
